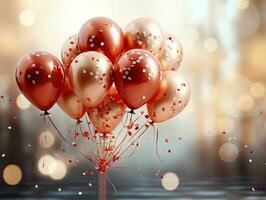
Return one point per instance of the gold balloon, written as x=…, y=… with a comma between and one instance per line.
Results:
x=70, y=103
x=90, y=76
x=173, y=95
x=144, y=33
x=69, y=51
x=172, y=53
x=109, y=113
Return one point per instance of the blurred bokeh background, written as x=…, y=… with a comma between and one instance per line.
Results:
x=219, y=138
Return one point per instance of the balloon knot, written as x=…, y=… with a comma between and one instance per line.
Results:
x=45, y=113
x=151, y=123
x=132, y=111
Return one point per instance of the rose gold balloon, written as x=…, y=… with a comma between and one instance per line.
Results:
x=69, y=51
x=104, y=35
x=90, y=76
x=172, y=53
x=69, y=102
x=137, y=77
x=109, y=113
x=144, y=33
x=172, y=97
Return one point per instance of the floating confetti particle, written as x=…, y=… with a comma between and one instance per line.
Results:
x=9, y=127
x=80, y=193
x=36, y=186
x=250, y=160
x=59, y=189
x=3, y=155
x=90, y=184
x=253, y=189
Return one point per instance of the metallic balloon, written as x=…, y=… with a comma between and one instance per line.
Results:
x=69, y=51
x=172, y=97
x=70, y=103
x=109, y=113
x=137, y=77
x=172, y=53
x=90, y=76
x=103, y=35
x=144, y=33
x=40, y=77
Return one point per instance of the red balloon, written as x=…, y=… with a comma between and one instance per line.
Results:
x=137, y=77
x=103, y=35
x=40, y=77
x=70, y=103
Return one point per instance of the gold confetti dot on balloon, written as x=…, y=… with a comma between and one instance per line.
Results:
x=170, y=181
x=228, y=152
x=12, y=174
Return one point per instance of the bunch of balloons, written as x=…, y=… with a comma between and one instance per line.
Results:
x=104, y=70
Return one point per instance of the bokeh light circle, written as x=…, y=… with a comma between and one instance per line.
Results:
x=46, y=139
x=23, y=102
x=210, y=44
x=234, y=97
x=27, y=18
x=225, y=124
x=170, y=181
x=245, y=102
x=47, y=165
x=228, y=152
x=12, y=174
x=60, y=171
x=257, y=90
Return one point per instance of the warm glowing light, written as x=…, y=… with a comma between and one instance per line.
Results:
x=225, y=124
x=192, y=34
x=12, y=174
x=210, y=44
x=257, y=90
x=4, y=82
x=228, y=152
x=245, y=102
x=210, y=93
x=46, y=139
x=27, y=18
x=170, y=181
x=60, y=171
x=8, y=40
x=22, y=102
x=242, y=4
x=47, y=165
